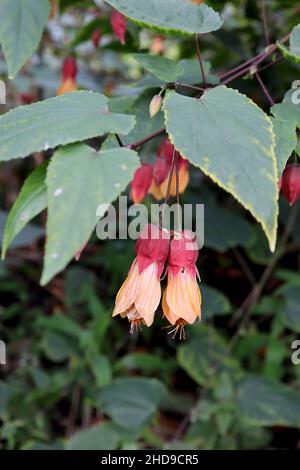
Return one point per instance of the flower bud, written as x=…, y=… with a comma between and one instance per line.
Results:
x=289, y=183
x=119, y=25
x=155, y=105
x=96, y=36
x=69, y=72
x=141, y=183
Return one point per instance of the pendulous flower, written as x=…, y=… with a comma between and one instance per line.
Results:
x=141, y=183
x=140, y=294
x=182, y=298
x=119, y=25
x=161, y=172
x=69, y=73
x=289, y=183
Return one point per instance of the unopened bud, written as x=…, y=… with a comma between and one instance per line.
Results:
x=155, y=105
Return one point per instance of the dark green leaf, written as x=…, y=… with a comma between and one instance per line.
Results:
x=232, y=141
x=79, y=179
x=21, y=27
x=170, y=16
x=57, y=121
x=31, y=200
x=268, y=403
x=131, y=402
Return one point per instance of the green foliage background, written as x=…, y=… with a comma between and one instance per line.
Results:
x=75, y=378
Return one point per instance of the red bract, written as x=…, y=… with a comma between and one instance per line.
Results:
x=69, y=68
x=96, y=36
x=141, y=183
x=184, y=252
x=119, y=23
x=153, y=245
x=69, y=72
x=289, y=183
x=161, y=172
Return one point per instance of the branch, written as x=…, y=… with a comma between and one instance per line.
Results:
x=139, y=143
x=244, y=68
x=265, y=21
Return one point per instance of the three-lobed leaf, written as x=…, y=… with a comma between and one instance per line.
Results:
x=79, y=179
x=170, y=16
x=31, y=200
x=232, y=141
x=21, y=26
x=65, y=119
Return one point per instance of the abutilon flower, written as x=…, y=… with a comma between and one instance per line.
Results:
x=139, y=296
x=161, y=172
x=69, y=73
x=119, y=25
x=182, y=298
x=289, y=183
x=54, y=8
x=141, y=183
x=96, y=36
x=158, y=45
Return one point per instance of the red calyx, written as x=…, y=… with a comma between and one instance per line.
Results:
x=184, y=252
x=290, y=183
x=119, y=24
x=96, y=36
x=141, y=182
x=163, y=161
x=69, y=68
x=152, y=246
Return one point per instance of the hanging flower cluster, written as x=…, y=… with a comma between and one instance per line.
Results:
x=139, y=296
x=69, y=73
x=154, y=179
x=289, y=183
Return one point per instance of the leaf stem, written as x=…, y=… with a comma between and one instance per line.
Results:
x=119, y=140
x=141, y=142
x=197, y=40
x=264, y=89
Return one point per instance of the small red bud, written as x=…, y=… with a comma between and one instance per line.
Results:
x=96, y=36
x=69, y=68
x=289, y=183
x=141, y=183
x=119, y=24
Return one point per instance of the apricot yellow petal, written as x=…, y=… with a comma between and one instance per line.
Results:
x=128, y=291
x=67, y=86
x=149, y=293
x=181, y=296
x=170, y=316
